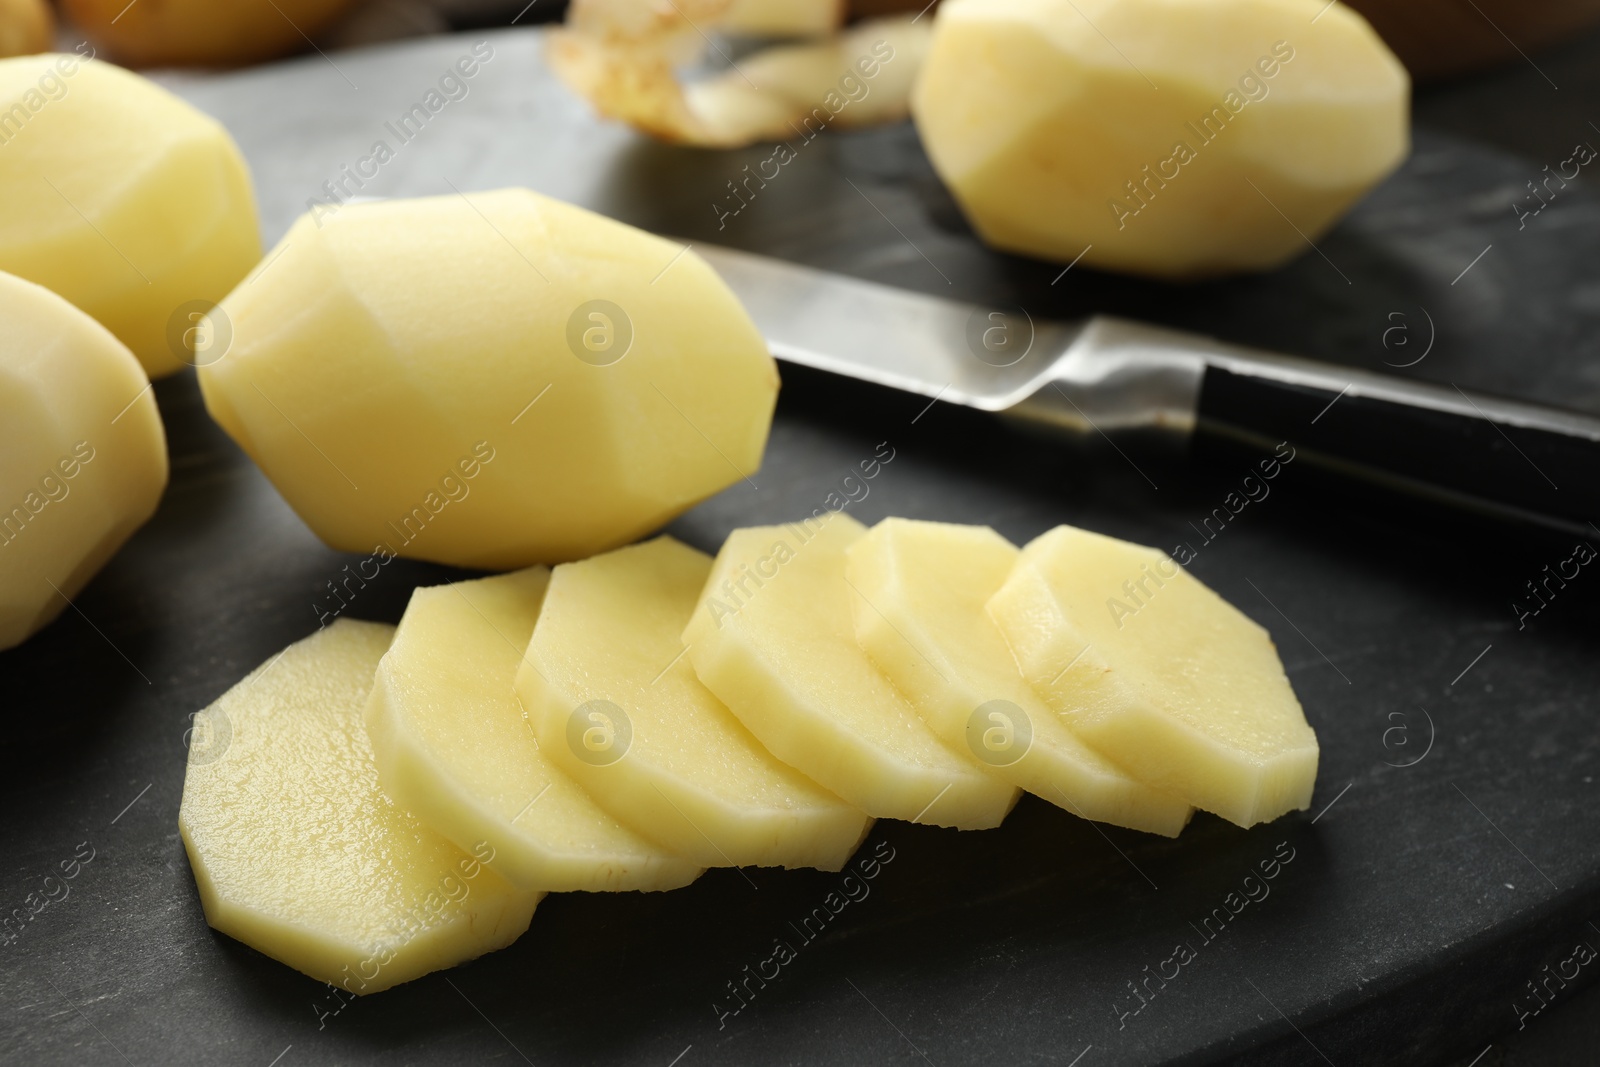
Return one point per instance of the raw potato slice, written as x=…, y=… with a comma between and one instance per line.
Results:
x=454, y=748
x=83, y=458
x=772, y=636
x=1173, y=138
x=125, y=200
x=518, y=380
x=615, y=702
x=921, y=619
x=1159, y=673
x=299, y=854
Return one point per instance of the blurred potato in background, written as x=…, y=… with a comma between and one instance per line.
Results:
x=871, y=9
x=26, y=27
x=1439, y=39
x=221, y=33
x=1435, y=39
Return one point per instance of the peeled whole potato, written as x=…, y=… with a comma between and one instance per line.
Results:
x=490, y=380
x=26, y=27
x=83, y=458
x=201, y=32
x=124, y=199
x=1173, y=138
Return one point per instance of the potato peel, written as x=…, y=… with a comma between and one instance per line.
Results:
x=624, y=56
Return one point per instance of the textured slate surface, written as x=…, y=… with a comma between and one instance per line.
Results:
x=1404, y=928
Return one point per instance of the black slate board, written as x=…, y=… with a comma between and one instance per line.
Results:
x=1403, y=930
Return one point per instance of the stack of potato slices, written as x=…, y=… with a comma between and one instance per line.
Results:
x=625, y=721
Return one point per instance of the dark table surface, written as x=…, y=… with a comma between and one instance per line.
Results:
x=1453, y=846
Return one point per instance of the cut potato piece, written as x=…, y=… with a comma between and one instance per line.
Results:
x=517, y=380
x=299, y=854
x=1167, y=137
x=83, y=458
x=921, y=619
x=772, y=636
x=454, y=748
x=125, y=200
x=1159, y=673
x=614, y=701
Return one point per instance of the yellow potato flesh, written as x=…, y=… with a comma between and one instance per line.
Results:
x=1057, y=125
x=773, y=637
x=921, y=618
x=615, y=702
x=122, y=198
x=453, y=746
x=299, y=854
x=1159, y=673
x=434, y=376
x=83, y=458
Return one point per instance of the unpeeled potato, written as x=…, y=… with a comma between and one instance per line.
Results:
x=1444, y=38
x=26, y=27
x=155, y=33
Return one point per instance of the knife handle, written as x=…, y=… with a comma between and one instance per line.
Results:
x=1502, y=452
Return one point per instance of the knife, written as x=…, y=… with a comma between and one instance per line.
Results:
x=1106, y=375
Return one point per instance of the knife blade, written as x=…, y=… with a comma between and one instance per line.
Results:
x=1106, y=375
